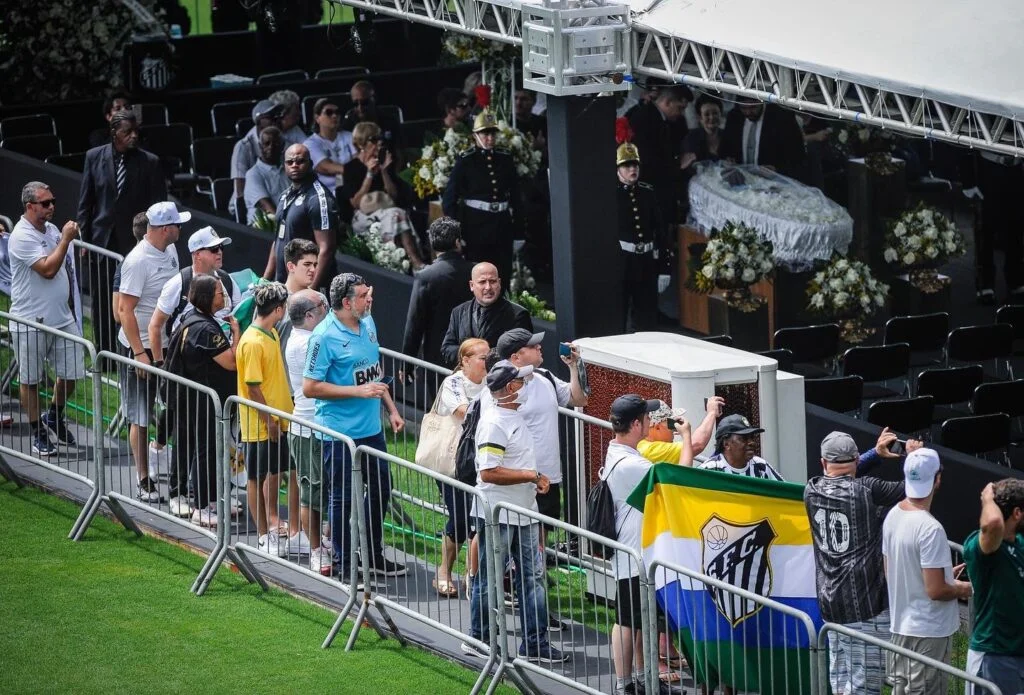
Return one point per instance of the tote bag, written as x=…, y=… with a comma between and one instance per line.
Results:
x=439, y=438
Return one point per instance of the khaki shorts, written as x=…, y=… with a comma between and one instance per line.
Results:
x=308, y=461
x=919, y=679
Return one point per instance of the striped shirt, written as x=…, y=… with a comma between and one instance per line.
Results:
x=503, y=440
x=756, y=467
x=846, y=522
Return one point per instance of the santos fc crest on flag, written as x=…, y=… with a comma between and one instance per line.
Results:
x=737, y=554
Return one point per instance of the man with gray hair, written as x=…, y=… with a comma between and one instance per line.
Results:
x=436, y=291
x=306, y=309
x=43, y=290
x=291, y=115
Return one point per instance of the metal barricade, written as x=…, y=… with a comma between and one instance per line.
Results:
x=730, y=637
x=584, y=442
x=292, y=501
x=175, y=478
x=48, y=409
x=901, y=664
x=963, y=635
x=437, y=557
x=96, y=273
x=565, y=634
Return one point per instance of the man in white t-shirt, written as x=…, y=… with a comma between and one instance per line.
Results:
x=507, y=472
x=306, y=309
x=545, y=394
x=207, y=249
x=624, y=468
x=42, y=290
x=923, y=589
x=144, y=272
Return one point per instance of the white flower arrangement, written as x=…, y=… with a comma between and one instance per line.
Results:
x=923, y=237
x=386, y=254
x=432, y=170
x=736, y=256
x=472, y=49
x=845, y=288
x=522, y=278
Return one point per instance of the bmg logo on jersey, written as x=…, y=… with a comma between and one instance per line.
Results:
x=367, y=374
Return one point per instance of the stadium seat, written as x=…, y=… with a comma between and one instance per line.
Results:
x=842, y=394
x=878, y=363
x=172, y=143
x=211, y=159
x=924, y=333
x=814, y=348
x=36, y=124
x=38, y=146
x=980, y=344
x=337, y=73
x=986, y=436
x=1013, y=314
x=725, y=340
x=243, y=126
x=225, y=114
x=223, y=190
x=283, y=76
x=75, y=161
x=783, y=357
x=907, y=416
x=949, y=387
x=153, y=114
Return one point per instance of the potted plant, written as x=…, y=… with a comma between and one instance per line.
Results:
x=846, y=291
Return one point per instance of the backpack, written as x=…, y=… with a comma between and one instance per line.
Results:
x=601, y=515
x=186, y=282
x=465, y=453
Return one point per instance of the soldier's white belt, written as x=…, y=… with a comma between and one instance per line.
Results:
x=486, y=206
x=636, y=248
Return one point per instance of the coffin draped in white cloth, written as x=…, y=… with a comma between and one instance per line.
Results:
x=803, y=225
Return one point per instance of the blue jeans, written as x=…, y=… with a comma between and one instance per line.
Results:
x=376, y=495
x=529, y=581
x=459, y=505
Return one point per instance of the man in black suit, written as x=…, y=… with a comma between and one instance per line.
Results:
x=659, y=129
x=764, y=134
x=436, y=291
x=487, y=315
x=119, y=180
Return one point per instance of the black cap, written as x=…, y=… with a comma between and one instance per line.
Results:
x=735, y=424
x=632, y=407
x=515, y=340
x=504, y=372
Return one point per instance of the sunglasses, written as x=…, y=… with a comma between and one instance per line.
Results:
x=48, y=203
x=296, y=160
x=329, y=112
x=462, y=105
x=214, y=249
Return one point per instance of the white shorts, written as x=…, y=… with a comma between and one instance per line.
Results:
x=32, y=347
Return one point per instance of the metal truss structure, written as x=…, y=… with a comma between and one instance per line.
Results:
x=711, y=68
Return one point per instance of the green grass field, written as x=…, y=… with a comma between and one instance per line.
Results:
x=199, y=11
x=113, y=613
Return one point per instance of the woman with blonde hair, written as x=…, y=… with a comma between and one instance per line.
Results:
x=458, y=391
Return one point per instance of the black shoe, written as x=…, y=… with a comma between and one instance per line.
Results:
x=344, y=575
x=554, y=624
x=41, y=444
x=59, y=427
x=386, y=568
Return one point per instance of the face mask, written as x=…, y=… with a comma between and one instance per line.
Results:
x=519, y=397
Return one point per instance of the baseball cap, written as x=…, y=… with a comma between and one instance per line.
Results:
x=839, y=447
x=516, y=339
x=919, y=471
x=632, y=407
x=735, y=424
x=664, y=412
x=504, y=372
x=165, y=213
x=265, y=107
x=206, y=238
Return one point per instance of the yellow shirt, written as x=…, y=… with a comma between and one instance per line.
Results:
x=660, y=452
x=259, y=361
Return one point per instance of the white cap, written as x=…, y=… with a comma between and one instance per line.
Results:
x=165, y=213
x=206, y=238
x=664, y=412
x=919, y=471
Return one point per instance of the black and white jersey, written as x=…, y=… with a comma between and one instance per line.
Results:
x=756, y=467
x=846, y=517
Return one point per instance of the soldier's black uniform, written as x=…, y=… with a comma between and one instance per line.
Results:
x=640, y=237
x=482, y=193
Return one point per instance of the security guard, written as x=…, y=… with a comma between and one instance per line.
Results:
x=484, y=181
x=640, y=225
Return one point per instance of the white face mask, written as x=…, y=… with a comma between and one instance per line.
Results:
x=518, y=397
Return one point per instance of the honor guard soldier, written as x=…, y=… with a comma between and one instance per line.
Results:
x=640, y=225
x=481, y=194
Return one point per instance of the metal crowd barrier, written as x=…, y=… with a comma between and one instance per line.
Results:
x=97, y=280
x=77, y=455
x=185, y=486
x=701, y=617
x=898, y=662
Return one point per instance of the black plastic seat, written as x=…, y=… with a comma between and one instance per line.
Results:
x=924, y=333
x=878, y=363
x=223, y=190
x=38, y=146
x=979, y=435
x=999, y=397
x=783, y=356
x=907, y=416
x=814, y=346
x=843, y=394
x=242, y=126
x=211, y=157
x=1013, y=314
x=171, y=142
x=225, y=114
x=75, y=161
x=980, y=344
x=35, y=124
x=338, y=73
x=725, y=340
x=949, y=387
x=153, y=114
x=283, y=76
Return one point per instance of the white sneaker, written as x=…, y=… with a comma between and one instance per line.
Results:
x=179, y=506
x=321, y=560
x=273, y=544
x=205, y=517
x=299, y=543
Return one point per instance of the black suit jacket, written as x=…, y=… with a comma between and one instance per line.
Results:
x=491, y=322
x=106, y=220
x=436, y=291
x=782, y=141
x=660, y=143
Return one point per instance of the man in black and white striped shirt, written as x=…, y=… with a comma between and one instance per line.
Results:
x=735, y=444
